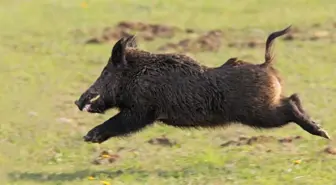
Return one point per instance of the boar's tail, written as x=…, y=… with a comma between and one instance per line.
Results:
x=269, y=43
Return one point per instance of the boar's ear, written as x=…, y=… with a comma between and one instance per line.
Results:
x=131, y=42
x=118, y=55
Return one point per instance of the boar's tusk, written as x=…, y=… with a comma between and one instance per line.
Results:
x=95, y=98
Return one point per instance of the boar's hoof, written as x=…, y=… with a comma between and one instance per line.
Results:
x=96, y=135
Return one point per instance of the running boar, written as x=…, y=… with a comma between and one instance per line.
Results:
x=178, y=91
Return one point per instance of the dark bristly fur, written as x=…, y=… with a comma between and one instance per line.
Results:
x=178, y=91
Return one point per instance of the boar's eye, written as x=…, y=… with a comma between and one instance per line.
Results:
x=105, y=72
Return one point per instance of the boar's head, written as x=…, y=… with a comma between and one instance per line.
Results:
x=103, y=93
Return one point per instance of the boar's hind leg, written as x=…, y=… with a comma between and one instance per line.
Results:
x=300, y=117
x=292, y=111
x=124, y=123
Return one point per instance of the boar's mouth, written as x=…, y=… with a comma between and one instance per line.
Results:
x=87, y=106
x=84, y=103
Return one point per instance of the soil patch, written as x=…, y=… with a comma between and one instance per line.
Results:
x=105, y=157
x=142, y=30
x=259, y=140
x=330, y=150
x=313, y=33
x=194, y=41
x=253, y=43
x=209, y=41
x=163, y=141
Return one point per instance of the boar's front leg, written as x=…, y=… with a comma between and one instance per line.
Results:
x=124, y=123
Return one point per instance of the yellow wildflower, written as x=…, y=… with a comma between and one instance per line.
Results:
x=84, y=5
x=106, y=156
x=297, y=161
x=105, y=182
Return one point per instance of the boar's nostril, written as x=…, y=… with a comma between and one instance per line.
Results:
x=78, y=105
x=87, y=138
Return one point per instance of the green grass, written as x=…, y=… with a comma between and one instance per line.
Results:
x=44, y=67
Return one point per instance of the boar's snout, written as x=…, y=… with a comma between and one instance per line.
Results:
x=78, y=104
x=85, y=99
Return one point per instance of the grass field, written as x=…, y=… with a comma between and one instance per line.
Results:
x=45, y=66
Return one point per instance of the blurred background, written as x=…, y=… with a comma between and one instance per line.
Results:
x=52, y=50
